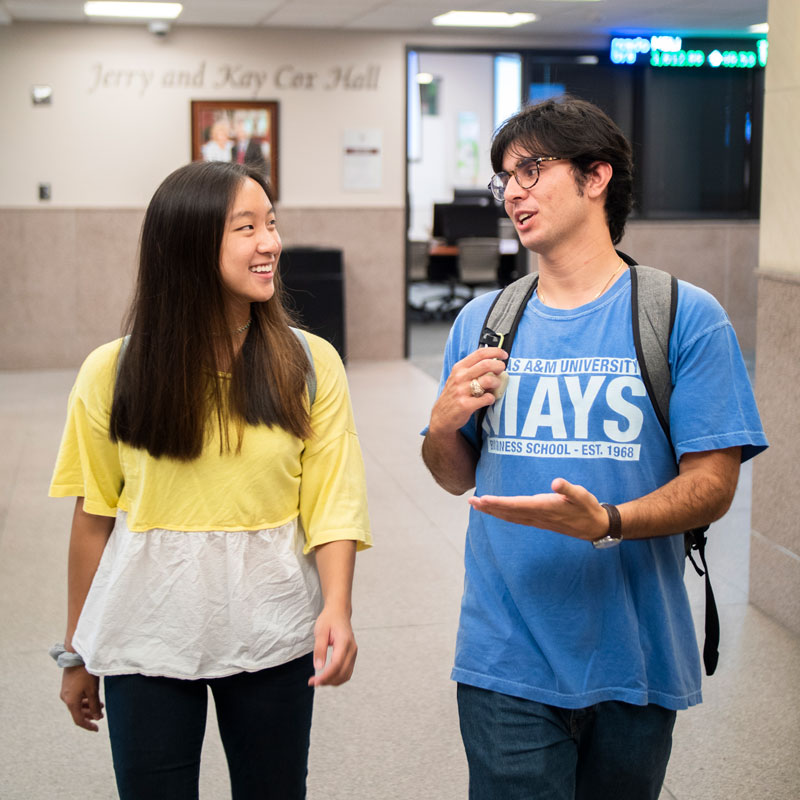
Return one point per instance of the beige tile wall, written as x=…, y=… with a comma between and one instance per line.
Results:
x=721, y=257
x=373, y=245
x=68, y=275
x=775, y=543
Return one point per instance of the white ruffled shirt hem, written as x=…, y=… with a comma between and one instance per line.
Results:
x=204, y=604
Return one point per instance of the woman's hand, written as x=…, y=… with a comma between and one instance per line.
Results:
x=90, y=532
x=81, y=693
x=333, y=629
x=335, y=563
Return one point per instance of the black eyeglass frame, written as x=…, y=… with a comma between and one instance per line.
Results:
x=499, y=191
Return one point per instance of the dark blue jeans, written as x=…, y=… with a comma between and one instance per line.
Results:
x=522, y=750
x=156, y=726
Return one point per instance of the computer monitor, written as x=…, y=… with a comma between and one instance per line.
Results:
x=463, y=221
x=473, y=196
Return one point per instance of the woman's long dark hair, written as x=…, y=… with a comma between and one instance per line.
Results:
x=168, y=386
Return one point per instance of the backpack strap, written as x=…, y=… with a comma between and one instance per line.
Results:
x=654, y=301
x=122, y=348
x=501, y=323
x=311, y=375
x=696, y=539
x=503, y=318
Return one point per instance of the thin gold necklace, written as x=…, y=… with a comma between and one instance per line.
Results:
x=243, y=328
x=606, y=285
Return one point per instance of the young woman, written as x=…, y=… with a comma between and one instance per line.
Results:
x=218, y=511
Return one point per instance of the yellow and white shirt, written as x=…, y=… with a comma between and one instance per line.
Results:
x=210, y=568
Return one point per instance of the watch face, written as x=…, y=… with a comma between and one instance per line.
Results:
x=606, y=541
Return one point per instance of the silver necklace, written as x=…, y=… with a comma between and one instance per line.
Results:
x=605, y=286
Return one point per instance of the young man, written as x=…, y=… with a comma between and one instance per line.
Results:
x=572, y=658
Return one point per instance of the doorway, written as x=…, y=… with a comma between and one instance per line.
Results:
x=455, y=228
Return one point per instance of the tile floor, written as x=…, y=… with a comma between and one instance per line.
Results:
x=392, y=732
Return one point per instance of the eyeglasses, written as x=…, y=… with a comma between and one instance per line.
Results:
x=526, y=175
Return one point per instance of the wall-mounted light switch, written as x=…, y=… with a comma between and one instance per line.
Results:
x=41, y=95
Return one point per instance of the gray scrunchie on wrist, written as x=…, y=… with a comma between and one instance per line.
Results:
x=64, y=658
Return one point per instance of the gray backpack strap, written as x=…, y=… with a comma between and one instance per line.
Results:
x=502, y=321
x=654, y=299
x=122, y=348
x=311, y=377
x=503, y=318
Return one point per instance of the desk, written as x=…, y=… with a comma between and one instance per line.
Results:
x=438, y=249
x=443, y=261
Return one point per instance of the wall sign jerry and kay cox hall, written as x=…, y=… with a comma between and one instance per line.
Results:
x=235, y=76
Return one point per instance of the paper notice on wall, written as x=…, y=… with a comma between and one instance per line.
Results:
x=469, y=130
x=362, y=160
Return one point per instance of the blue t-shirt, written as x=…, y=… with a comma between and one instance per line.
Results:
x=548, y=617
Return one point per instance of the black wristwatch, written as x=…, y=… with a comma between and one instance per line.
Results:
x=614, y=535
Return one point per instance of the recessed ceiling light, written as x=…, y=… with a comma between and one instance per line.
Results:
x=762, y=27
x=132, y=10
x=483, y=19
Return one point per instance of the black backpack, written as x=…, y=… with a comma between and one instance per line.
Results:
x=654, y=299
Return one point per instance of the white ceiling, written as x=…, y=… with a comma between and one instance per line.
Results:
x=560, y=17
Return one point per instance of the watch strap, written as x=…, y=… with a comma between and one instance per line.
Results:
x=614, y=521
x=614, y=534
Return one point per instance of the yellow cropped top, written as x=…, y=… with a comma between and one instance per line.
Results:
x=275, y=478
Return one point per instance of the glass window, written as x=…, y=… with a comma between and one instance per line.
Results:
x=696, y=133
x=589, y=76
x=507, y=86
x=699, y=134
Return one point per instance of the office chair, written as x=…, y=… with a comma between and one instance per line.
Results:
x=418, y=293
x=443, y=270
x=417, y=261
x=478, y=262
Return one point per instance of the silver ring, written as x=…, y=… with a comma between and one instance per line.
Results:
x=475, y=389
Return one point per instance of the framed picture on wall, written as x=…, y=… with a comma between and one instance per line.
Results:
x=245, y=131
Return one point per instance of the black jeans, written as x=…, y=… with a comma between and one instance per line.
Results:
x=156, y=726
